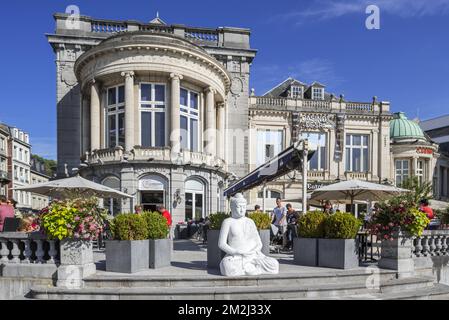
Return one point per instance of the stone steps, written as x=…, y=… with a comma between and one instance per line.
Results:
x=343, y=290
x=297, y=280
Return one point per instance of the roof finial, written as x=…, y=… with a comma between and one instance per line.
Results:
x=157, y=14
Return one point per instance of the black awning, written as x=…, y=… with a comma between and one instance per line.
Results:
x=288, y=160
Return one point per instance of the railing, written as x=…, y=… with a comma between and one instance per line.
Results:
x=356, y=175
x=101, y=26
x=359, y=106
x=202, y=35
x=23, y=248
x=276, y=102
x=106, y=155
x=155, y=28
x=431, y=243
x=315, y=174
x=316, y=104
x=147, y=154
x=5, y=176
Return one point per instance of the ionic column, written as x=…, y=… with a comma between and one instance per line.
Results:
x=85, y=124
x=221, y=131
x=211, y=119
x=175, y=128
x=129, y=110
x=95, y=116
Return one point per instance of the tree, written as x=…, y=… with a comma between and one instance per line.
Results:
x=418, y=190
x=49, y=165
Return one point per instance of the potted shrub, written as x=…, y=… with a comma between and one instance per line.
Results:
x=339, y=249
x=310, y=229
x=263, y=223
x=214, y=253
x=74, y=223
x=160, y=247
x=129, y=251
x=397, y=223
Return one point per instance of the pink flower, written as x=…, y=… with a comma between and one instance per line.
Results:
x=77, y=218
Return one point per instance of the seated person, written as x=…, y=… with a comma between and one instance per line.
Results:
x=240, y=240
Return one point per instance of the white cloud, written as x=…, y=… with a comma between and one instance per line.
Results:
x=329, y=9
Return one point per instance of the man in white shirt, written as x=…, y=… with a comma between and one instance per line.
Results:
x=279, y=215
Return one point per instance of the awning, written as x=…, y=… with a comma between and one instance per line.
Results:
x=288, y=160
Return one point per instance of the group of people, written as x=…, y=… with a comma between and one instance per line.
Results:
x=161, y=209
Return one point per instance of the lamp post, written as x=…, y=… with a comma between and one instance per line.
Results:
x=305, y=152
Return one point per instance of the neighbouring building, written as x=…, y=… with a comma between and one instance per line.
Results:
x=164, y=113
x=438, y=130
x=19, y=166
x=5, y=176
x=38, y=175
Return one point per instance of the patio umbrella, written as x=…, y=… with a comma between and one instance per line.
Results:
x=356, y=190
x=73, y=186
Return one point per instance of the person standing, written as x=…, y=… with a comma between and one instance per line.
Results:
x=292, y=219
x=164, y=212
x=6, y=211
x=279, y=215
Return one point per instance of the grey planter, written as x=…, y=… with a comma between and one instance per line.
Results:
x=305, y=251
x=214, y=253
x=160, y=253
x=337, y=253
x=265, y=237
x=127, y=256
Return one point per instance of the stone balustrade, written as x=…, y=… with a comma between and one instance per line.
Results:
x=317, y=104
x=357, y=175
x=359, y=107
x=27, y=248
x=108, y=26
x=431, y=243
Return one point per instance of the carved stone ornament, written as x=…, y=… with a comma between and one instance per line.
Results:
x=315, y=122
x=67, y=75
x=237, y=86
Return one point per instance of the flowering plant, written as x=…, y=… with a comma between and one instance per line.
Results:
x=398, y=215
x=75, y=218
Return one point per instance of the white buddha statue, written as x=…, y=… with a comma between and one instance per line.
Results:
x=240, y=240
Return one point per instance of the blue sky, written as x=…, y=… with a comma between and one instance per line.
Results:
x=405, y=62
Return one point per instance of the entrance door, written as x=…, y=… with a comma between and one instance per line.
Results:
x=151, y=199
x=194, y=205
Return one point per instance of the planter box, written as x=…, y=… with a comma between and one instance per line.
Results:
x=337, y=253
x=77, y=262
x=160, y=253
x=214, y=253
x=127, y=256
x=305, y=251
x=265, y=237
x=397, y=254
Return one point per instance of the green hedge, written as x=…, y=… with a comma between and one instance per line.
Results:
x=129, y=227
x=216, y=219
x=157, y=225
x=261, y=219
x=311, y=225
x=341, y=226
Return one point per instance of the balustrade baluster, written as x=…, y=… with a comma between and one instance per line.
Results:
x=418, y=247
x=15, y=252
x=27, y=251
x=52, y=252
x=425, y=246
x=40, y=251
x=437, y=245
x=443, y=245
x=432, y=245
x=4, y=251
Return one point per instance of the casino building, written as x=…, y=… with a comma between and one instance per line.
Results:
x=164, y=113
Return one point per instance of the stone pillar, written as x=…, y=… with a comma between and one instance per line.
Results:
x=396, y=254
x=221, y=131
x=129, y=110
x=211, y=120
x=85, y=127
x=95, y=116
x=175, y=128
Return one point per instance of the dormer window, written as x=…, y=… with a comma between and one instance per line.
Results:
x=317, y=93
x=296, y=92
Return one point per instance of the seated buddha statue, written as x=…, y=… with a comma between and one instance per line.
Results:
x=241, y=242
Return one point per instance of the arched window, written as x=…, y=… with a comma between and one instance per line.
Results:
x=195, y=200
x=113, y=205
x=153, y=191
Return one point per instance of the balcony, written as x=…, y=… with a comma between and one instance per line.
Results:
x=154, y=155
x=5, y=177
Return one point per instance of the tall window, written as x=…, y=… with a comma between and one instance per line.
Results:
x=402, y=168
x=357, y=153
x=317, y=142
x=2, y=144
x=189, y=120
x=420, y=171
x=317, y=93
x=152, y=108
x=269, y=144
x=296, y=92
x=115, y=117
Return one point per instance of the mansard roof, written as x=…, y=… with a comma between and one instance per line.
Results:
x=281, y=89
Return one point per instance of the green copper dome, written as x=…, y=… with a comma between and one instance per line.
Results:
x=402, y=128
